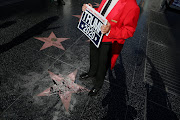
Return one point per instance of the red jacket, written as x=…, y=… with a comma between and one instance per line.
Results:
x=123, y=19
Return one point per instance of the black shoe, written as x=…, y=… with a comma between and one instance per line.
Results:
x=84, y=76
x=93, y=92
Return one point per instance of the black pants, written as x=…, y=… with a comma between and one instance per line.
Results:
x=100, y=59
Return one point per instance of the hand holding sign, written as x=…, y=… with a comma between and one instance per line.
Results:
x=106, y=28
x=85, y=6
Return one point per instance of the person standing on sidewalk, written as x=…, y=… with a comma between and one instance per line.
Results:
x=122, y=16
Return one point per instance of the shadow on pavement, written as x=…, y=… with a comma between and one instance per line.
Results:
x=33, y=31
x=7, y=24
x=116, y=99
x=158, y=105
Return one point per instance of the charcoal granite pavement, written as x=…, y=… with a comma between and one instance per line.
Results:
x=144, y=84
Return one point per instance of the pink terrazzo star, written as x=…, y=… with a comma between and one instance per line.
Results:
x=52, y=40
x=78, y=16
x=64, y=86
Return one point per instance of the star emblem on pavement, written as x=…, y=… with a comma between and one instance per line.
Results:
x=64, y=87
x=52, y=40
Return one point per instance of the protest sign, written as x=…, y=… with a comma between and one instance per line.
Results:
x=90, y=24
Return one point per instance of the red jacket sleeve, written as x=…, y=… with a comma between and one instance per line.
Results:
x=128, y=28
